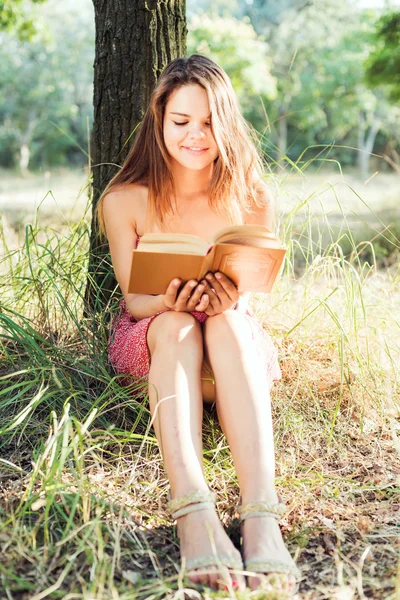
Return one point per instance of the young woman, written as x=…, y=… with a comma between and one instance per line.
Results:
x=194, y=169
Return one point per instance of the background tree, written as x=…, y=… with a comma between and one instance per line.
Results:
x=298, y=67
x=244, y=56
x=16, y=16
x=266, y=15
x=315, y=50
x=383, y=72
x=383, y=63
x=46, y=90
x=134, y=42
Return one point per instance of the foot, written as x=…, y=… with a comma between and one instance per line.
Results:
x=262, y=538
x=201, y=534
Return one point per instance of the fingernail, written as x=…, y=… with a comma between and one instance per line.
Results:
x=192, y=283
x=200, y=288
x=176, y=281
x=218, y=275
x=209, y=276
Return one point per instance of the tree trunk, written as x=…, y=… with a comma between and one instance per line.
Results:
x=135, y=40
x=366, y=140
x=25, y=143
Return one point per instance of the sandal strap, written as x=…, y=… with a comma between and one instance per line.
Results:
x=191, y=502
x=261, y=565
x=212, y=560
x=191, y=508
x=261, y=509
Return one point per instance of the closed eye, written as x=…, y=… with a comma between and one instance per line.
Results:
x=175, y=123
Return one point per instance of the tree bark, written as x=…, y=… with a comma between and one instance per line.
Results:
x=135, y=40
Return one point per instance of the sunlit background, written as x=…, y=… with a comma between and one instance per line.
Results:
x=82, y=486
x=300, y=70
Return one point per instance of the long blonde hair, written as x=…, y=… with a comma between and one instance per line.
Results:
x=238, y=169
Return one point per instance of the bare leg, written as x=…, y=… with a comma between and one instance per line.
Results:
x=244, y=411
x=176, y=346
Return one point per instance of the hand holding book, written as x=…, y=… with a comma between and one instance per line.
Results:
x=185, y=297
x=212, y=295
x=222, y=293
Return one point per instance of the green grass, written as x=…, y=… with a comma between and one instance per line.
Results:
x=82, y=487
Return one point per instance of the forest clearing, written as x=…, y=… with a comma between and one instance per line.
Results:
x=83, y=487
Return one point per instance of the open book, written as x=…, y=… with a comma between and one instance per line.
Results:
x=250, y=255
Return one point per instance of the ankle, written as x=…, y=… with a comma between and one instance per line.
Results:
x=257, y=495
x=183, y=489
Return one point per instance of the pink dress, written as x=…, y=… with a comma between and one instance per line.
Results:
x=129, y=354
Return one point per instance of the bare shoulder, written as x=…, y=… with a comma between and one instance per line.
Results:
x=263, y=212
x=126, y=203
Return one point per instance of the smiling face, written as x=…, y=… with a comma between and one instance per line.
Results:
x=187, y=128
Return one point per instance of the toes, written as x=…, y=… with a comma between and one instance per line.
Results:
x=203, y=577
x=273, y=581
x=254, y=582
x=224, y=581
x=238, y=583
x=193, y=576
x=213, y=579
x=198, y=577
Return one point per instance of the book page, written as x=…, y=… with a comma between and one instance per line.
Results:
x=173, y=243
x=248, y=235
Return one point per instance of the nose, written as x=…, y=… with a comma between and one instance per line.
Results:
x=196, y=131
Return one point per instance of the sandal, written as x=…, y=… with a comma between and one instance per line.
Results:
x=193, y=502
x=262, y=565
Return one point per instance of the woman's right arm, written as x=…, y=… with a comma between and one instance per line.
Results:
x=120, y=222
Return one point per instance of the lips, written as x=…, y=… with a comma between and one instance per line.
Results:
x=195, y=150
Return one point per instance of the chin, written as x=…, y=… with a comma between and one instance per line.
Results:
x=197, y=167
x=194, y=165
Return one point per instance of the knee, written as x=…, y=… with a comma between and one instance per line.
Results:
x=227, y=326
x=175, y=328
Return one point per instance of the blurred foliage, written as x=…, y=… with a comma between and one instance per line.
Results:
x=261, y=13
x=46, y=91
x=244, y=56
x=383, y=64
x=315, y=51
x=298, y=67
x=16, y=17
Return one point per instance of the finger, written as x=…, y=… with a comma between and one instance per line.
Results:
x=203, y=304
x=228, y=285
x=217, y=286
x=196, y=294
x=214, y=300
x=185, y=293
x=171, y=293
x=217, y=289
x=210, y=311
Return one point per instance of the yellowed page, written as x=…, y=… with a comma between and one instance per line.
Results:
x=251, y=235
x=173, y=243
